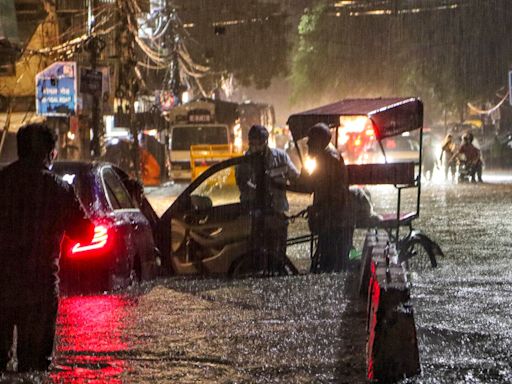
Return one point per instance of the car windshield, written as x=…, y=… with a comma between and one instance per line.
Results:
x=80, y=178
x=185, y=136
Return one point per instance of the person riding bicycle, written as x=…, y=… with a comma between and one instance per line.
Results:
x=278, y=170
x=471, y=157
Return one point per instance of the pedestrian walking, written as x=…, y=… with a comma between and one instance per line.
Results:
x=448, y=149
x=36, y=209
x=278, y=170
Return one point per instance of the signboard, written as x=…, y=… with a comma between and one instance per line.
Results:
x=91, y=81
x=199, y=116
x=56, y=90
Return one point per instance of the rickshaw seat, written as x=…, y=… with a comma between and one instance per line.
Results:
x=402, y=174
x=389, y=220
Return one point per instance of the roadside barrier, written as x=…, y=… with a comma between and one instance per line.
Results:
x=392, y=348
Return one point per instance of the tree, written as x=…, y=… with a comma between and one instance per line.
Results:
x=243, y=38
x=308, y=63
x=447, y=55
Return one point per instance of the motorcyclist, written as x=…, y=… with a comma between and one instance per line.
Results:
x=278, y=170
x=36, y=209
x=471, y=156
x=330, y=213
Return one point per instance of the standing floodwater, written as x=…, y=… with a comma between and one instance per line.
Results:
x=306, y=329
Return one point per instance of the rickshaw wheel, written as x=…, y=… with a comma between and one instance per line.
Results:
x=418, y=258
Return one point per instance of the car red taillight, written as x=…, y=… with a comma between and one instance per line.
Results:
x=98, y=242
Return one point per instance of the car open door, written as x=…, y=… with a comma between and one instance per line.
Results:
x=208, y=227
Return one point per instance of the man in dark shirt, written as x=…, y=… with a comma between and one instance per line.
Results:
x=330, y=214
x=36, y=209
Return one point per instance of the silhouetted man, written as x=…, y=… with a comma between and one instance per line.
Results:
x=330, y=213
x=36, y=209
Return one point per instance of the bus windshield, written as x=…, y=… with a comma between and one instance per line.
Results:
x=185, y=136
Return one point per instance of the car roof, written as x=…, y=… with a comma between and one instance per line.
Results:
x=86, y=185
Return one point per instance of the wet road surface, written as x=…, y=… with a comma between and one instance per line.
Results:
x=306, y=329
x=463, y=309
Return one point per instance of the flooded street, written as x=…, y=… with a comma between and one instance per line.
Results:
x=111, y=111
x=307, y=328
x=463, y=308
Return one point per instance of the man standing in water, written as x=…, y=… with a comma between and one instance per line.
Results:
x=329, y=216
x=278, y=169
x=36, y=209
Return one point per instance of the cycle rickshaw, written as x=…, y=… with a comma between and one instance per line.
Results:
x=359, y=126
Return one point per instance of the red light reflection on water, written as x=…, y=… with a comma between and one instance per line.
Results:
x=90, y=344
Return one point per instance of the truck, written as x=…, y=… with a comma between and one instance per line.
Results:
x=210, y=127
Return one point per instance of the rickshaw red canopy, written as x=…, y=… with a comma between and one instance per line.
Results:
x=390, y=116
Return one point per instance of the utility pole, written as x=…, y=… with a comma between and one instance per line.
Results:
x=128, y=84
x=175, y=81
x=93, y=47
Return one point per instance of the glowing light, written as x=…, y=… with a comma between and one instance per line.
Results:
x=343, y=138
x=310, y=165
x=185, y=97
x=151, y=132
x=344, y=3
x=355, y=124
x=98, y=241
x=91, y=339
x=237, y=134
x=69, y=178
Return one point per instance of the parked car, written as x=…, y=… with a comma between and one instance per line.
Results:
x=123, y=248
x=209, y=231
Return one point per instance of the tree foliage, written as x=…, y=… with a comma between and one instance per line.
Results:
x=446, y=55
x=308, y=62
x=243, y=38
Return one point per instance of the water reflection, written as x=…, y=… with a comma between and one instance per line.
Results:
x=90, y=339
